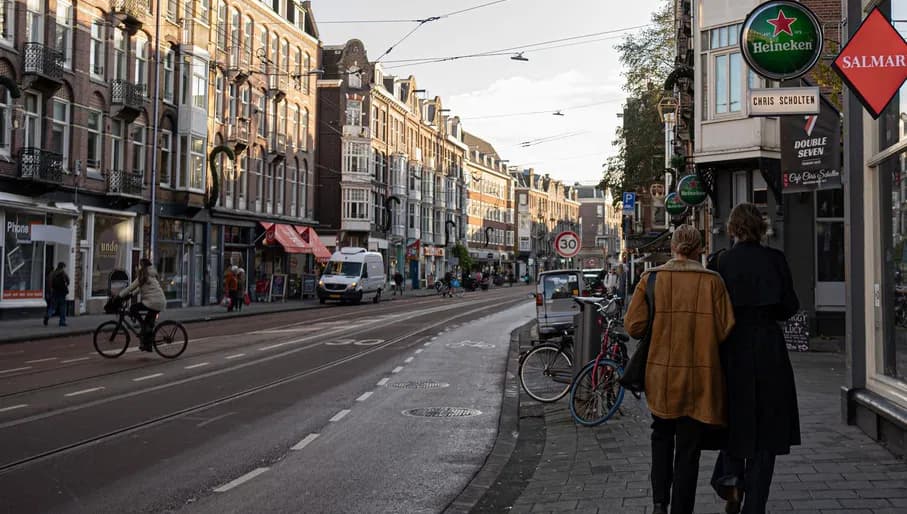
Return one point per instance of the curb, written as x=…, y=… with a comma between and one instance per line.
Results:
x=508, y=434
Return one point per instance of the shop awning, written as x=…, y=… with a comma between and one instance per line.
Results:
x=321, y=252
x=287, y=236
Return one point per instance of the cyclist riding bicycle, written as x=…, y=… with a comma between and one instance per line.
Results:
x=152, y=301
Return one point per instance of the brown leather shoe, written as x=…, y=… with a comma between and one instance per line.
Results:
x=734, y=500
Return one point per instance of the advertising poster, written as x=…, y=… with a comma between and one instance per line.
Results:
x=811, y=150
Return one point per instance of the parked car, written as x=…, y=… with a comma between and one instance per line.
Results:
x=554, y=303
x=352, y=274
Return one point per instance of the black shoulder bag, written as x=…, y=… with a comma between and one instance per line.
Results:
x=634, y=377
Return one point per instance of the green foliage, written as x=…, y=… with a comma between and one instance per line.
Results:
x=462, y=255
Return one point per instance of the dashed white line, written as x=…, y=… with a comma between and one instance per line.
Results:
x=42, y=360
x=271, y=347
x=235, y=356
x=83, y=391
x=398, y=369
x=13, y=370
x=305, y=442
x=427, y=344
x=364, y=396
x=75, y=360
x=147, y=377
x=382, y=381
x=199, y=365
x=340, y=415
x=240, y=481
x=408, y=360
x=418, y=351
x=13, y=407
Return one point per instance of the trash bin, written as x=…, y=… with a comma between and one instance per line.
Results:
x=587, y=335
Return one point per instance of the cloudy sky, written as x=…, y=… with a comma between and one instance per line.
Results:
x=494, y=94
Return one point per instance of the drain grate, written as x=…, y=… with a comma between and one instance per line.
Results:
x=442, y=412
x=426, y=384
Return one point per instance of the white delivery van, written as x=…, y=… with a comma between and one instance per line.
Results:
x=352, y=274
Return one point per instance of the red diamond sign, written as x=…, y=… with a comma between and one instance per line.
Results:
x=874, y=62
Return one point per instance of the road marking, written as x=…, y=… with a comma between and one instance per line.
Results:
x=13, y=370
x=83, y=391
x=147, y=377
x=235, y=356
x=199, y=365
x=305, y=442
x=418, y=351
x=13, y=407
x=364, y=396
x=427, y=344
x=42, y=360
x=398, y=369
x=409, y=359
x=382, y=381
x=340, y=415
x=278, y=345
x=240, y=481
x=75, y=360
x=215, y=418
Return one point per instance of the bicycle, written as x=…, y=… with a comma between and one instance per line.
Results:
x=546, y=371
x=111, y=338
x=596, y=393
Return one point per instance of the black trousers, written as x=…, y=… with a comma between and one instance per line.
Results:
x=675, y=462
x=754, y=475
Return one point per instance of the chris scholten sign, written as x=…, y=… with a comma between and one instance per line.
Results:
x=786, y=100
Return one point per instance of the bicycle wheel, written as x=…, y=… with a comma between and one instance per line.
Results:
x=546, y=372
x=593, y=406
x=170, y=339
x=110, y=339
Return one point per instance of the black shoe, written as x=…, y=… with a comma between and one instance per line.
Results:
x=45, y=321
x=734, y=501
x=660, y=508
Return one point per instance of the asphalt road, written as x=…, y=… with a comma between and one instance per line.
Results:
x=291, y=412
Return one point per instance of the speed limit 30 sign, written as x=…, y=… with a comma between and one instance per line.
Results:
x=566, y=244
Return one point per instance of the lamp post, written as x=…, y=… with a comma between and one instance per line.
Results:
x=155, y=131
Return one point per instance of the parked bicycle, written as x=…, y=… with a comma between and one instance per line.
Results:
x=111, y=338
x=546, y=371
x=596, y=393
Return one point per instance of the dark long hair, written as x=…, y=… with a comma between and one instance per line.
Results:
x=144, y=264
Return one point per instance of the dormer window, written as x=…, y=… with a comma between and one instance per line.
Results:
x=354, y=77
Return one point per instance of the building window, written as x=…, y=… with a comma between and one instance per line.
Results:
x=307, y=68
x=355, y=157
x=119, y=54
x=111, y=249
x=5, y=125
x=258, y=177
x=354, y=113
x=31, y=121
x=728, y=76
x=221, y=27
x=96, y=58
x=93, y=127
x=59, y=132
x=200, y=84
x=354, y=78
x=196, y=163
x=263, y=49
x=34, y=21
x=64, y=30
x=138, y=149
x=241, y=174
x=204, y=11
x=355, y=204
x=141, y=60
x=219, y=97
x=740, y=188
x=890, y=261
x=293, y=132
x=169, y=58
x=7, y=21
x=280, y=189
x=166, y=164
x=760, y=189
x=304, y=124
x=303, y=189
x=248, y=34
x=292, y=188
x=117, y=150
x=262, y=111
x=23, y=266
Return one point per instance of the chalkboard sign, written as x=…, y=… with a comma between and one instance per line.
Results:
x=308, y=284
x=796, y=332
x=278, y=286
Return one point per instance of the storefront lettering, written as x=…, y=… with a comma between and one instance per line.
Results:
x=787, y=46
x=810, y=177
x=109, y=248
x=18, y=230
x=873, y=61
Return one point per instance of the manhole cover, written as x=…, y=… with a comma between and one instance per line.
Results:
x=419, y=385
x=442, y=412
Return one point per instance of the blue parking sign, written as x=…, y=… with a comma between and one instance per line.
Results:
x=629, y=201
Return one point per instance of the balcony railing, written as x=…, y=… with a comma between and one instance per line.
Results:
x=125, y=183
x=130, y=9
x=238, y=133
x=40, y=165
x=43, y=61
x=127, y=94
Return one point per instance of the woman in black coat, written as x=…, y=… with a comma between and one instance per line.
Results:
x=763, y=418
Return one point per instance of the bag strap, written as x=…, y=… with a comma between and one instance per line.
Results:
x=650, y=302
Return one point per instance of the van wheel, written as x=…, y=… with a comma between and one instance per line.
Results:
x=377, y=297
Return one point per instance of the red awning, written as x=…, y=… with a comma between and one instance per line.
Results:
x=287, y=236
x=308, y=234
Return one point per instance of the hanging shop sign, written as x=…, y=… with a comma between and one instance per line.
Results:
x=781, y=39
x=673, y=205
x=784, y=101
x=873, y=63
x=811, y=151
x=690, y=190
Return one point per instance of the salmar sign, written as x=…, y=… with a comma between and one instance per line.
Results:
x=781, y=39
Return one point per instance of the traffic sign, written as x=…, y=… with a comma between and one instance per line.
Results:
x=629, y=201
x=566, y=244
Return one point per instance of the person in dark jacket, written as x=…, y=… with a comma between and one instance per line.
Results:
x=763, y=417
x=59, y=288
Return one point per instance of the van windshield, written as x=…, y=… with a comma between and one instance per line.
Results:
x=349, y=269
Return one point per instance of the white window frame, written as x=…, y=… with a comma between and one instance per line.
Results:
x=740, y=189
x=356, y=204
x=98, y=48
x=219, y=97
x=354, y=113
x=117, y=137
x=220, y=27
x=195, y=164
x=31, y=121
x=141, y=60
x=168, y=85
x=355, y=157
x=354, y=77
x=242, y=200
x=137, y=142
x=166, y=161
x=97, y=133
x=304, y=126
x=259, y=181
x=64, y=28
x=34, y=21
x=64, y=125
x=199, y=84
x=7, y=22
x=6, y=128
x=120, y=50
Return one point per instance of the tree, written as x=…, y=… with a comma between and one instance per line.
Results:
x=462, y=255
x=648, y=59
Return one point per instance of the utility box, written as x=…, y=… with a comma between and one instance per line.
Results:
x=587, y=334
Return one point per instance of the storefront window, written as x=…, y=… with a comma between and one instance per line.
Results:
x=23, y=260
x=112, y=237
x=830, y=235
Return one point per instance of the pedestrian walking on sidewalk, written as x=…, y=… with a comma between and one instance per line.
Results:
x=241, y=288
x=684, y=384
x=230, y=287
x=59, y=288
x=763, y=418
x=398, y=283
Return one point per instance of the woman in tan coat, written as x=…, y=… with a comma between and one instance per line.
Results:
x=684, y=381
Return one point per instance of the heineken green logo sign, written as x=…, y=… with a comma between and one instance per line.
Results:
x=690, y=190
x=781, y=40
x=673, y=205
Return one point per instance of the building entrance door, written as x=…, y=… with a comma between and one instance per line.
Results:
x=830, y=294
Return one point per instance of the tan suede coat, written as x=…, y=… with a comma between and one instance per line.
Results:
x=693, y=315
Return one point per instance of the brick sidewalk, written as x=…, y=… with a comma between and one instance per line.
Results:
x=606, y=469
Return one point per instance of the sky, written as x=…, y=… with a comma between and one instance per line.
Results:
x=583, y=81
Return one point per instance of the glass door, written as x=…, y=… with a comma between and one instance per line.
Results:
x=830, y=294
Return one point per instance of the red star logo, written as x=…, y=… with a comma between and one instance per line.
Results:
x=782, y=24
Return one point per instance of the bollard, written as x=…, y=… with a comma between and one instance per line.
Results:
x=587, y=335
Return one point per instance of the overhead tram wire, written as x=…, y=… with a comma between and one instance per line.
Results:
x=549, y=111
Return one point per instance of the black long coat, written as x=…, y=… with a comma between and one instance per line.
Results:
x=762, y=395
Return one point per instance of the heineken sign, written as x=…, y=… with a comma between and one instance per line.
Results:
x=781, y=40
x=690, y=190
x=673, y=205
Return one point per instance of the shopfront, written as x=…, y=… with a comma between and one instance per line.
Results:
x=180, y=261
